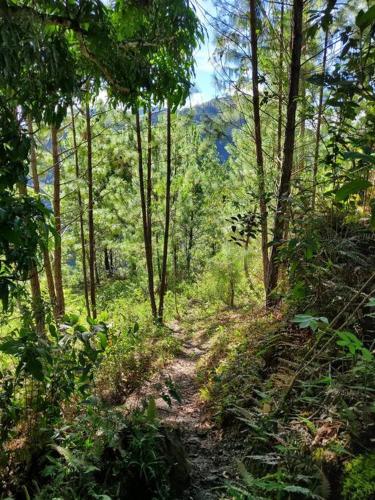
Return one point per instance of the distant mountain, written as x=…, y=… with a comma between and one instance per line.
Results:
x=208, y=113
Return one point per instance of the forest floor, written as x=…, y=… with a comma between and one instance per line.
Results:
x=209, y=452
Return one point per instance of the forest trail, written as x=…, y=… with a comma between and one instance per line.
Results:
x=209, y=455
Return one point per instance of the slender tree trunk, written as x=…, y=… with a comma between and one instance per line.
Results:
x=97, y=276
x=149, y=177
x=46, y=257
x=158, y=257
x=189, y=245
x=280, y=86
x=90, y=212
x=163, y=284
x=111, y=262
x=319, y=122
x=81, y=224
x=107, y=266
x=37, y=302
x=289, y=142
x=175, y=266
x=57, y=265
x=246, y=266
x=148, y=254
x=258, y=140
x=36, y=294
x=189, y=249
x=231, y=293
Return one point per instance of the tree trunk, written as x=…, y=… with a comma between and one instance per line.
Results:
x=258, y=141
x=37, y=302
x=149, y=177
x=189, y=246
x=90, y=213
x=81, y=224
x=158, y=256
x=318, y=123
x=175, y=266
x=301, y=163
x=107, y=265
x=60, y=302
x=167, y=218
x=36, y=294
x=148, y=254
x=46, y=257
x=289, y=142
x=231, y=293
x=111, y=262
x=280, y=86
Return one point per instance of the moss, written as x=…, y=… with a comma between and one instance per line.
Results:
x=359, y=479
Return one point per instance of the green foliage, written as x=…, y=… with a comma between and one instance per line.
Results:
x=224, y=280
x=359, y=477
x=307, y=321
x=134, y=353
x=24, y=221
x=352, y=343
x=103, y=454
x=61, y=365
x=303, y=403
x=350, y=188
x=328, y=259
x=274, y=485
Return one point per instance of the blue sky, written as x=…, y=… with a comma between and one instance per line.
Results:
x=204, y=81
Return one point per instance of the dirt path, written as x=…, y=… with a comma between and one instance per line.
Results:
x=210, y=459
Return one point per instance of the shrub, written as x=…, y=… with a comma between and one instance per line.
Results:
x=359, y=478
x=103, y=454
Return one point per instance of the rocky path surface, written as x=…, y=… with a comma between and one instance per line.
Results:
x=209, y=455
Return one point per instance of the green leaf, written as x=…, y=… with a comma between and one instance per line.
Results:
x=350, y=188
x=151, y=409
x=307, y=321
x=35, y=368
x=366, y=354
x=11, y=346
x=353, y=155
x=103, y=340
x=365, y=19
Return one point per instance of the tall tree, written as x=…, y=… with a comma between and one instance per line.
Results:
x=258, y=140
x=57, y=263
x=146, y=231
x=289, y=142
x=36, y=294
x=280, y=86
x=319, y=121
x=90, y=214
x=80, y=209
x=46, y=256
x=163, y=284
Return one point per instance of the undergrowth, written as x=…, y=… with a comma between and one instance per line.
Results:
x=307, y=441
x=61, y=435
